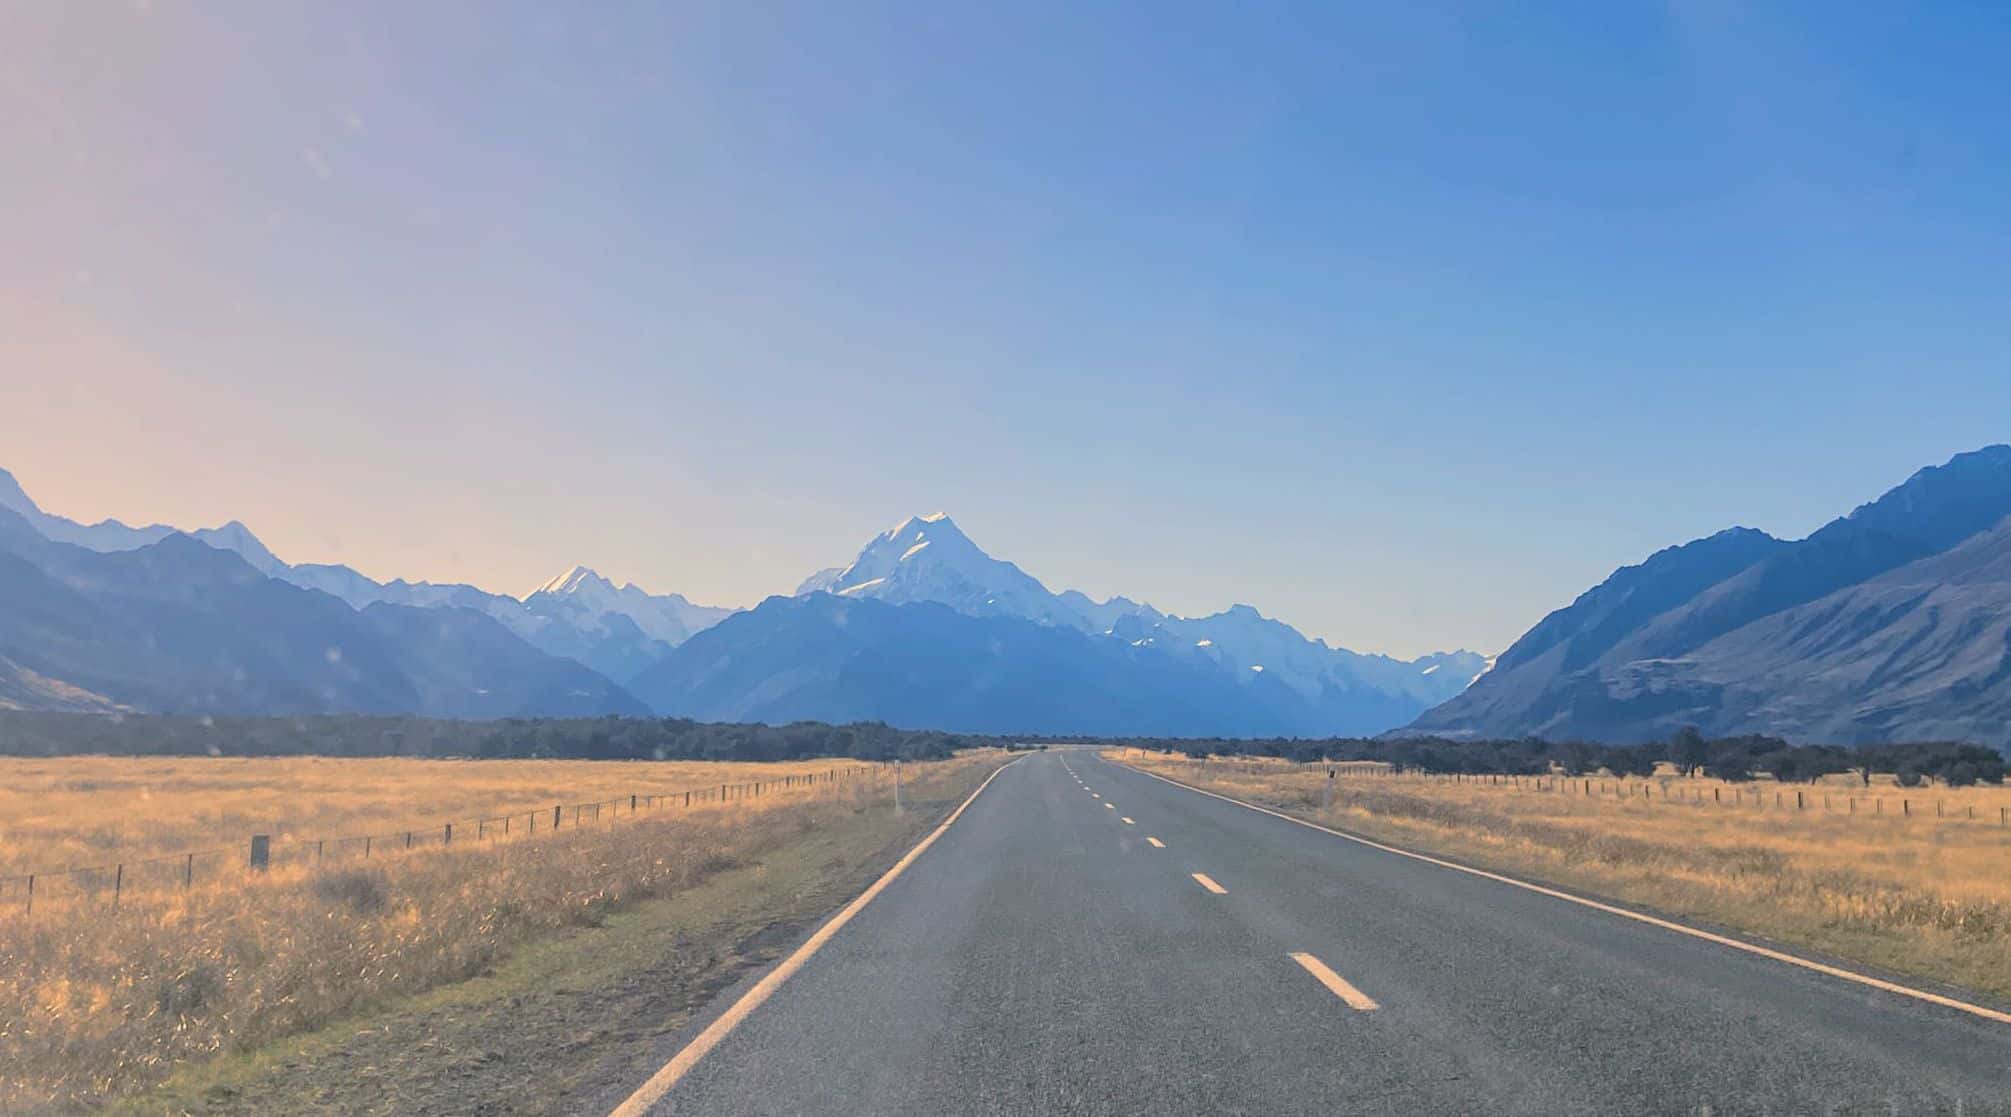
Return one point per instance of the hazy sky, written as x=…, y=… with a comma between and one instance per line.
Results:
x=1403, y=325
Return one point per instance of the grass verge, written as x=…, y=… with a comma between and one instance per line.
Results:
x=657, y=917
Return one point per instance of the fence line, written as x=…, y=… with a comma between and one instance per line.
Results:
x=1785, y=799
x=20, y=891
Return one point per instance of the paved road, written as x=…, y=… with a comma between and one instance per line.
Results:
x=1046, y=957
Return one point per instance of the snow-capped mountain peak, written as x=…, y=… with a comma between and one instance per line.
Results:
x=918, y=523
x=929, y=558
x=588, y=602
x=574, y=580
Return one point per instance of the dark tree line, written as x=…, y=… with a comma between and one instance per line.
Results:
x=1726, y=758
x=50, y=734
x=612, y=738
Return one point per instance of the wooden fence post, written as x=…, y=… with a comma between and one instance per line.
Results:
x=261, y=852
x=447, y=835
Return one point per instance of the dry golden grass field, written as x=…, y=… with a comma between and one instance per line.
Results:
x=1911, y=880
x=92, y=810
x=99, y=999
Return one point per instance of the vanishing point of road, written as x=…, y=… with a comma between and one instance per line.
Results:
x=1088, y=939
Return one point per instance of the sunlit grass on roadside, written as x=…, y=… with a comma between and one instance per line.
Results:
x=104, y=1000
x=1923, y=891
x=87, y=810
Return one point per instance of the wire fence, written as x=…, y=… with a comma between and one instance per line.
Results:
x=1684, y=790
x=254, y=856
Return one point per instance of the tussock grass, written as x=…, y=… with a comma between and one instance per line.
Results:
x=89, y=810
x=96, y=1001
x=1924, y=894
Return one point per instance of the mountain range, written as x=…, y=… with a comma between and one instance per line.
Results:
x=921, y=629
x=180, y=626
x=925, y=628
x=1890, y=623
x=578, y=615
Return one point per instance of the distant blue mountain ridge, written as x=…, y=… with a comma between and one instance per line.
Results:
x=1891, y=623
x=923, y=629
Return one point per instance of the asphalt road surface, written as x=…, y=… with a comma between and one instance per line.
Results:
x=1087, y=939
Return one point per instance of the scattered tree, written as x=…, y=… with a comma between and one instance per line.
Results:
x=1688, y=750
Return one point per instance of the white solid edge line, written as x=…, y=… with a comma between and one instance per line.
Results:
x=1610, y=909
x=680, y=1064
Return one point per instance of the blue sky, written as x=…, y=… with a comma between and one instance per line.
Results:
x=1405, y=324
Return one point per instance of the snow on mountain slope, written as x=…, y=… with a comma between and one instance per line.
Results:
x=820, y=582
x=579, y=615
x=1241, y=637
x=584, y=599
x=1101, y=615
x=622, y=631
x=929, y=559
